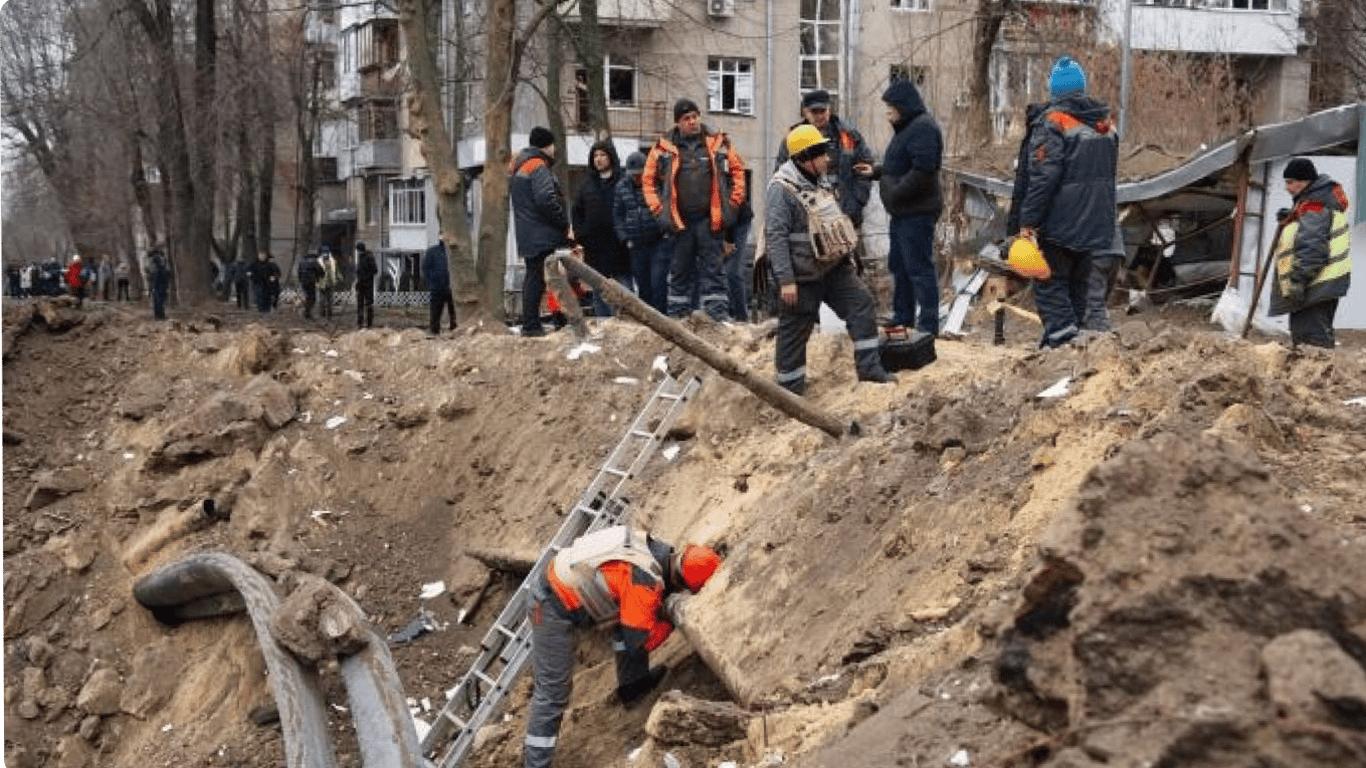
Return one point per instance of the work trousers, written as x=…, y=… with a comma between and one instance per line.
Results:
x=533, y=287
x=696, y=270
x=552, y=667
x=310, y=299
x=122, y=293
x=441, y=301
x=650, y=267
x=915, y=283
x=365, y=304
x=263, y=298
x=1099, y=280
x=1062, y=298
x=325, y=306
x=737, y=270
x=1313, y=325
x=843, y=291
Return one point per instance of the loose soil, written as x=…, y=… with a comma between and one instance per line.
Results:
x=1164, y=566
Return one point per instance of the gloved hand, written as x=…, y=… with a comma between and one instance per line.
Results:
x=631, y=693
x=1294, y=292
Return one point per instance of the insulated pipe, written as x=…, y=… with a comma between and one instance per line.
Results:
x=303, y=715
x=384, y=728
x=790, y=404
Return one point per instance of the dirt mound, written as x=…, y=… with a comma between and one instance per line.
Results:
x=1155, y=567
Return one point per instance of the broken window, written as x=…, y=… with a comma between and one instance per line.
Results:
x=730, y=85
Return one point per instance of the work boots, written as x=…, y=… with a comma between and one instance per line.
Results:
x=869, y=365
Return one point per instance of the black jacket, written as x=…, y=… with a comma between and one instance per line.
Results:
x=592, y=217
x=909, y=176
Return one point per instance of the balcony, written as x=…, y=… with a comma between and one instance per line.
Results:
x=645, y=14
x=376, y=155
x=1235, y=27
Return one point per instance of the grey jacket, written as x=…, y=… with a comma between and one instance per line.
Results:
x=787, y=234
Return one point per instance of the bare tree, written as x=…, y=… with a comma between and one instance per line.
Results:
x=1339, y=58
x=427, y=123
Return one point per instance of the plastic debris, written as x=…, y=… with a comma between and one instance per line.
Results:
x=959, y=759
x=433, y=589
x=671, y=452
x=671, y=762
x=1058, y=389
x=334, y=422
x=1356, y=401
x=581, y=349
x=424, y=623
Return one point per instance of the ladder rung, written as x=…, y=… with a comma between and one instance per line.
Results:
x=514, y=646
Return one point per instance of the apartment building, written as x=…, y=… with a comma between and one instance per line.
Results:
x=747, y=62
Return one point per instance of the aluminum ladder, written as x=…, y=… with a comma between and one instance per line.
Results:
x=506, y=647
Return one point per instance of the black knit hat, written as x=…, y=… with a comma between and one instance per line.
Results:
x=541, y=137
x=1300, y=169
x=683, y=107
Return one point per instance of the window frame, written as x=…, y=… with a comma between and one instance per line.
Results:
x=739, y=70
x=407, y=202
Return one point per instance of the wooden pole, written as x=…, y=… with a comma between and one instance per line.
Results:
x=790, y=404
x=728, y=672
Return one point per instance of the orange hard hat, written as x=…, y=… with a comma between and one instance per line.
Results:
x=1025, y=258
x=696, y=564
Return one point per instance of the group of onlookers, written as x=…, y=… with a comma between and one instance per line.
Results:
x=100, y=278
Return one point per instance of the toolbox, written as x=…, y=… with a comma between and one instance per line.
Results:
x=906, y=349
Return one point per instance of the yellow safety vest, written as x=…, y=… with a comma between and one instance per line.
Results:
x=1339, y=252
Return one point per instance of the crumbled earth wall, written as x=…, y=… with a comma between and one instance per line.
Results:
x=1153, y=569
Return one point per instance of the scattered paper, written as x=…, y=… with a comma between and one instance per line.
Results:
x=127, y=455
x=583, y=348
x=433, y=589
x=960, y=758
x=1057, y=390
x=1355, y=401
x=335, y=421
x=331, y=353
x=626, y=380
x=671, y=452
x=660, y=364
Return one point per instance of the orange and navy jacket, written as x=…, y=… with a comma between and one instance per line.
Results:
x=639, y=596
x=540, y=217
x=660, y=181
x=1069, y=194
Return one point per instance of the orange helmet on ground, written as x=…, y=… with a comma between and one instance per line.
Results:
x=695, y=565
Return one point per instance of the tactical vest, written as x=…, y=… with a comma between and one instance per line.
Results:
x=833, y=235
x=576, y=567
x=1339, y=252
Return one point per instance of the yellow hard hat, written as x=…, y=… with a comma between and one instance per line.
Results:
x=1026, y=259
x=803, y=138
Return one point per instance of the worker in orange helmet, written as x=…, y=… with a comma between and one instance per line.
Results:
x=617, y=577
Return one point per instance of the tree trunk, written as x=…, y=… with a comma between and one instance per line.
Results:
x=500, y=85
x=195, y=283
x=173, y=144
x=991, y=14
x=428, y=123
x=589, y=47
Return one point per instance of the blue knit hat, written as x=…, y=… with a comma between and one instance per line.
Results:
x=1067, y=78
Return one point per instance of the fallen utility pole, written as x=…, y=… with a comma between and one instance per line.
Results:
x=612, y=292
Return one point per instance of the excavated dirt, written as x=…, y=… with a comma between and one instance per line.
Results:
x=1164, y=566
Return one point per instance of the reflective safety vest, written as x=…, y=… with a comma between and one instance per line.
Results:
x=1339, y=252
x=575, y=577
